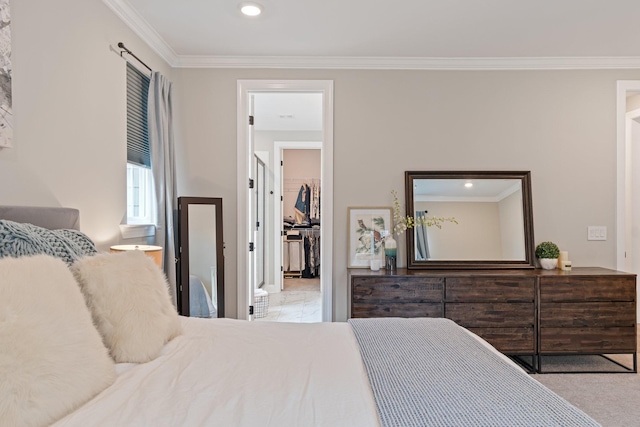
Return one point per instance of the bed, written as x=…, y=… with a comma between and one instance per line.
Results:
x=226, y=372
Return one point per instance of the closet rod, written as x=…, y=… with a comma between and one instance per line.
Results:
x=124, y=49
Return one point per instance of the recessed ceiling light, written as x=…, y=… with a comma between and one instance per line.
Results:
x=468, y=184
x=251, y=9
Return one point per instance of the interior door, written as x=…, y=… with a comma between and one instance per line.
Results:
x=201, y=257
x=260, y=237
x=251, y=212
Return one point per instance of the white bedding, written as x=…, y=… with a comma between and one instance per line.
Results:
x=224, y=372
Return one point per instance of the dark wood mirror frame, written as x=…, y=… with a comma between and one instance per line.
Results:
x=183, y=260
x=527, y=211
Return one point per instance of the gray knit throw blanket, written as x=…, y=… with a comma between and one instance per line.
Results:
x=18, y=239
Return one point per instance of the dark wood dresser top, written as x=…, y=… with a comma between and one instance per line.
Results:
x=537, y=272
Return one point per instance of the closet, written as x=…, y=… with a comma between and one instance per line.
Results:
x=301, y=213
x=301, y=253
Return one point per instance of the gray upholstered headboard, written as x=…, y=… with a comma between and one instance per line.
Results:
x=47, y=217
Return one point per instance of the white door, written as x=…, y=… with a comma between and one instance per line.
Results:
x=260, y=223
x=251, y=211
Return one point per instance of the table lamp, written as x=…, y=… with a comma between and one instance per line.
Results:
x=154, y=252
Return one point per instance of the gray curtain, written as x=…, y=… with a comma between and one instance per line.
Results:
x=422, y=244
x=163, y=168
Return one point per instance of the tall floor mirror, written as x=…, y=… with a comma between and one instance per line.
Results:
x=201, y=257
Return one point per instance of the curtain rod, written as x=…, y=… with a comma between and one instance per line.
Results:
x=124, y=49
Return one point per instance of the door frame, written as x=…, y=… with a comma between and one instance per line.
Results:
x=624, y=214
x=623, y=171
x=278, y=147
x=244, y=173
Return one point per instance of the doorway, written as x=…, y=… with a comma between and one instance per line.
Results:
x=296, y=295
x=628, y=177
x=280, y=210
x=249, y=93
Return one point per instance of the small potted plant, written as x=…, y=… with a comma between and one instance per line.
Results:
x=547, y=253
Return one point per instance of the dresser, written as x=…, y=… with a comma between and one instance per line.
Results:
x=520, y=312
x=590, y=311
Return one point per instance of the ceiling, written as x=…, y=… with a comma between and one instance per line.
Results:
x=407, y=34
x=288, y=111
x=480, y=190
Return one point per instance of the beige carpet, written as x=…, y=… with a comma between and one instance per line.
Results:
x=611, y=399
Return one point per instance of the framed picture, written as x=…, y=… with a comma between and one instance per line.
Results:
x=367, y=228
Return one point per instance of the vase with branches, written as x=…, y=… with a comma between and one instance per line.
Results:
x=402, y=222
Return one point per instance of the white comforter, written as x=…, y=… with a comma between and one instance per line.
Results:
x=224, y=372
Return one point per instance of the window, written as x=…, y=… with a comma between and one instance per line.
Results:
x=140, y=197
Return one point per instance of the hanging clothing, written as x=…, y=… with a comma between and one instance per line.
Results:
x=307, y=201
x=307, y=272
x=312, y=254
x=303, y=205
x=315, y=202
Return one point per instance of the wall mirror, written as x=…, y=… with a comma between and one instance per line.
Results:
x=494, y=218
x=201, y=257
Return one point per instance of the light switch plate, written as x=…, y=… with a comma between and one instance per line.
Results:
x=597, y=232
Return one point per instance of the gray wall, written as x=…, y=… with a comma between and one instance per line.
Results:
x=560, y=125
x=69, y=92
x=475, y=236
x=69, y=104
x=511, y=226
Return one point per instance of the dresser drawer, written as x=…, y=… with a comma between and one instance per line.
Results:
x=509, y=340
x=587, y=340
x=393, y=309
x=489, y=315
x=494, y=288
x=588, y=314
x=571, y=288
x=396, y=289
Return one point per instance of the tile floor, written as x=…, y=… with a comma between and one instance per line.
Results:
x=299, y=302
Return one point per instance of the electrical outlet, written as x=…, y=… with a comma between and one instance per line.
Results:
x=598, y=232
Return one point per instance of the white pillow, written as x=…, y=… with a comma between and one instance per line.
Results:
x=52, y=359
x=128, y=296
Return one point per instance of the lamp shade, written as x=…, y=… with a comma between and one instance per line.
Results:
x=154, y=252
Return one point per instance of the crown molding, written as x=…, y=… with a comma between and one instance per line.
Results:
x=142, y=28
x=389, y=63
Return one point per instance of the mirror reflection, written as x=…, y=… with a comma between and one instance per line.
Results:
x=491, y=210
x=201, y=262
